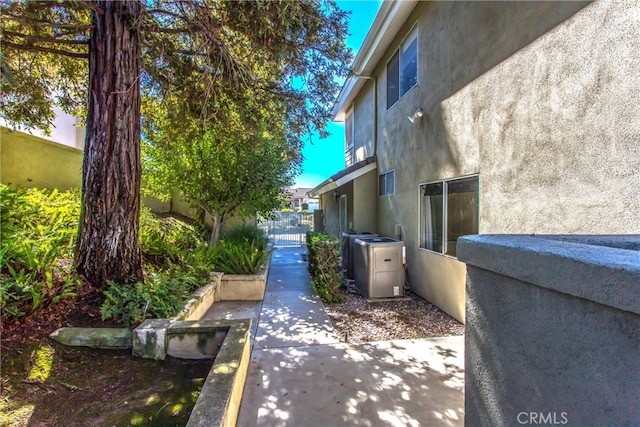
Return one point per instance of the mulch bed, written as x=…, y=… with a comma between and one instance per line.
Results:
x=358, y=320
x=81, y=310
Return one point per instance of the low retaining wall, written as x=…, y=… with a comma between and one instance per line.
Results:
x=553, y=330
x=219, y=400
x=201, y=300
x=243, y=287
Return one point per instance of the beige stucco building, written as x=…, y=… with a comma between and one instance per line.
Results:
x=488, y=117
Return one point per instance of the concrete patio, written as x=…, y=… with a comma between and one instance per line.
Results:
x=301, y=375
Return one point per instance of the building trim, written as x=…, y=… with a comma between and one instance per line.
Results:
x=386, y=25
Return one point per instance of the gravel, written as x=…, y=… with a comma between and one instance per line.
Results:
x=358, y=320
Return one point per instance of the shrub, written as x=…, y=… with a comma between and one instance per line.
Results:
x=38, y=230
x=324, y=266
x=167, y=239
x=245, y=232
x=161, y=295
x=245, y=257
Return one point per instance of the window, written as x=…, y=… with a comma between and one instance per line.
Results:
x=387, y=184
x=448, y=210
x=402, y=69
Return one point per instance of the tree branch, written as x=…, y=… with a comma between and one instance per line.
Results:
x=158, y=29
x=90, y=6
x=34, y=23
x=31, y=37
x=163, y=12
x=43, y=49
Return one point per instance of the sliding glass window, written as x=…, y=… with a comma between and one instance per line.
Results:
x=448, y=209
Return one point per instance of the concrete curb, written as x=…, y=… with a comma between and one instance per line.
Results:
x=201, y=299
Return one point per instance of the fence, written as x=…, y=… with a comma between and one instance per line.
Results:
x=287, y=228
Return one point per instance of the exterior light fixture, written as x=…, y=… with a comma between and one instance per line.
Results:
x=336, y=195
x=416, y=116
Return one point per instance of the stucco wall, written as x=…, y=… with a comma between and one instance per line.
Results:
x=363, y=119
x=558, y=128
x=65, y=130
x=331, y=213
x=536, y=97
x=365, y=202
x=347, y=190
x=30, y=161
x=545, y=333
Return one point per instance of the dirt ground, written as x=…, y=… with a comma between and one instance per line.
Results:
x=44, y=383
x=358, y=320
x=54, y=385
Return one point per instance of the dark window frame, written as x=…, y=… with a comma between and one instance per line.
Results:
x=440, y=194
x=395, y=68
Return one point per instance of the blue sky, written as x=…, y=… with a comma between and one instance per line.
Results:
x=324, y=157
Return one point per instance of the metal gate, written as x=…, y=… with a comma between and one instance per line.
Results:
x=287, y=228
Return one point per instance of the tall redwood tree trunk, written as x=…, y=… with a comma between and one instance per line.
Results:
x=107, y=246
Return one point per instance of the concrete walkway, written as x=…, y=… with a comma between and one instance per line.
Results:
x=300, y=375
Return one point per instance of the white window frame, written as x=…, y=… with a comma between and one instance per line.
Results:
x=444, y=212
x=413, y=31
x=387, y=174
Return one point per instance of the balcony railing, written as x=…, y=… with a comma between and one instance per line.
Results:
x=349, y=156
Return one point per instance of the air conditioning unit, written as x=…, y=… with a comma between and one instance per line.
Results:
x=348, y=247
x=379, y=267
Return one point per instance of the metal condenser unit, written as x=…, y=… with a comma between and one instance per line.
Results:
x=348, y=248
x=379, y=267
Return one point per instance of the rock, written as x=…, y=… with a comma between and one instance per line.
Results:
x=94, y=337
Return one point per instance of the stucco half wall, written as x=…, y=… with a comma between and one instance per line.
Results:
x=30, y=161
x=443, y=282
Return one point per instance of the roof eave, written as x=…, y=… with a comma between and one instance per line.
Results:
x=344, y=176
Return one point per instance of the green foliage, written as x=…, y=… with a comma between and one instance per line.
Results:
x=167, y=240
x=161, y=295
x=181, y=262
x=324, y=266
x=238, y=165
x=242, y=232
x=244, y=257
x=177, y=264
x=288, y=56
x=38, y=230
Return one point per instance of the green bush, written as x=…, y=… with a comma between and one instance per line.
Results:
x=177, y=263
x=167, y=239
x=38, y=229
x=245, y=257
x=245, y=232
x=161, y=295
x=324, y=266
